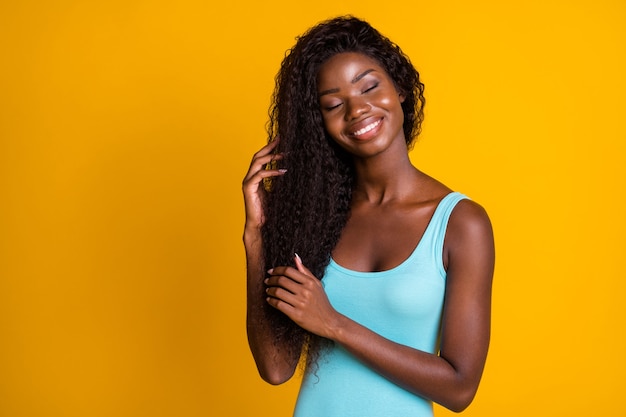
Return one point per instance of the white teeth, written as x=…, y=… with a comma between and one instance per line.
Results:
x=367, y=128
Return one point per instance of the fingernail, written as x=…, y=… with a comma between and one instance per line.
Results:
x=282, y=170
x=269, y=271
x=298, y=257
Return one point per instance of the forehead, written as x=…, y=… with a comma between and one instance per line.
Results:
x=344, y=58
x=346, y=65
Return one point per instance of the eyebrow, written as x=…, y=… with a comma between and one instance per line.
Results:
x=353, y=81
x=361, y=75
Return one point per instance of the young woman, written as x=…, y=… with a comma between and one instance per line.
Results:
x=372, y=274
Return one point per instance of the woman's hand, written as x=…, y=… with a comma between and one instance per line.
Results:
x=300, y=295
x=253, y=191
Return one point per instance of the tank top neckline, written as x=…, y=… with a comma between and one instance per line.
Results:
x=380, y=274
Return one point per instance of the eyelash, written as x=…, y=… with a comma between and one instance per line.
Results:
x=367, y=90
x=370, y=88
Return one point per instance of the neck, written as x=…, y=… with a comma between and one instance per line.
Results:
x=380, y=180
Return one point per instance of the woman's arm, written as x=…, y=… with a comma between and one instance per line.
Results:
x=450, y=378
x=275, y=363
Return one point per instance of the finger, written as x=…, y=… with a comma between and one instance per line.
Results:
x=282, y=306
x=303, y=269
x=265, y=154
x=261, y=163
x=283, y=294
x=254, y=176
x=266, y=159
x=267, y=148
x=258, y=176
x=288, y=272
x=284, y=282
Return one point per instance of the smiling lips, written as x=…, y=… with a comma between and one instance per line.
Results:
x=359, y=134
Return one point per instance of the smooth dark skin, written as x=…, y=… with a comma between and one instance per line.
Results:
x=392, y=205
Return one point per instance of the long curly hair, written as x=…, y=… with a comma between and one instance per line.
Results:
x=307, y=208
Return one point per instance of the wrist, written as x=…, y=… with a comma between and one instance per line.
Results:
x=252, y=238
x=251, y=231
x=337, y=328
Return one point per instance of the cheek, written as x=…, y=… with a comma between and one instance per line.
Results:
x=333, y=129
x=389, y=101
x=395, y=105
x=331, y=124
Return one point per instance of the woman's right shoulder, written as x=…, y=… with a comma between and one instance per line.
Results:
x=431, y=189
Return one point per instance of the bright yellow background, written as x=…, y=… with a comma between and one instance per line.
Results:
x=126, y=128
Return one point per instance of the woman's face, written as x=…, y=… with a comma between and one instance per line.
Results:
x=361, y=108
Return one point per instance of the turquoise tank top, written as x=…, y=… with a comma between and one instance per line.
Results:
x=403, y=304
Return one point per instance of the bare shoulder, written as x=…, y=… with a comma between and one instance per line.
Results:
x=469, y=230
x=468, y=217
x=468, y=214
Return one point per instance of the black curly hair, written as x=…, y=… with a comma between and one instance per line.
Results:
x=307, y=208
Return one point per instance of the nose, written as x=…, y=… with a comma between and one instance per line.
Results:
x=355, y=107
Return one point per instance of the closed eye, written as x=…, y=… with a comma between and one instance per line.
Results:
x=368, y=89
x=329, y=108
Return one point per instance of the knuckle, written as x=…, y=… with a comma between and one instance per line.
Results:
x=306, y=294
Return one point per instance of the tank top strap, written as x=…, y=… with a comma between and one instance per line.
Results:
x=436, y=231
